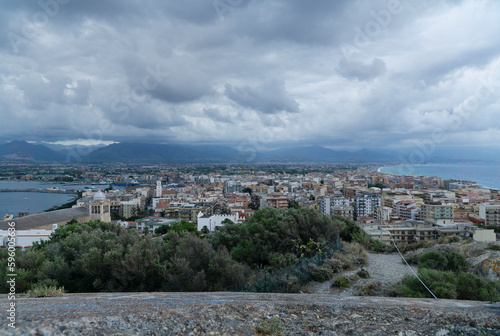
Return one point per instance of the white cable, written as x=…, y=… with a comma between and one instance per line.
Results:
x=390, y=235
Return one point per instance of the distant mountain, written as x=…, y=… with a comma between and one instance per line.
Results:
x=160, y=153
x=79, y=148
x=321, y=154
x=21, y=151
x=172, y=153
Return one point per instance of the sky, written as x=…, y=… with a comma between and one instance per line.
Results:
x=252, y=73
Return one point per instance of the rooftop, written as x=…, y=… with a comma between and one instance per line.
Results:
x=45, y=218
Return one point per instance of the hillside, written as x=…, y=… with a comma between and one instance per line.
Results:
x=21, y=151
x=162, y=153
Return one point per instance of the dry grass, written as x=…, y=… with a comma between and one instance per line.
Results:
x=45, y=291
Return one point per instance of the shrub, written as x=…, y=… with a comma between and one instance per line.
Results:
x=343, y=261
x=370, y=288
x=471, y=287
x=416, y=246
x=256, y=242
x=269, y=327
x=363, y=273
x=441, y=283
x=358, y=251
x=448, y=285
x=378, y=246
x=351, y=232
x=443, y=261
x=322, y=273
x=341, y=282
x=45, y=291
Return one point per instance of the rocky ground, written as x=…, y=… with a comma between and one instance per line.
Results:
x=322, y=311
x=248, y=314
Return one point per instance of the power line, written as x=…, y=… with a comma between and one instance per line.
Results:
x=396, y=246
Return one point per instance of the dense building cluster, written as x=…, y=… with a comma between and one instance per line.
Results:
x=388, y=207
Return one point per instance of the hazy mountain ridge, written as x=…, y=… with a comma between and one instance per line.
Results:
x=131, y=152
x=26, y=152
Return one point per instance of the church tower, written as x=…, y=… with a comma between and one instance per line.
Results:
x=99, y=207
x=159, y=189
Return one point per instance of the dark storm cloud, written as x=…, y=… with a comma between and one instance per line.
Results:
x=270, y=97
x=124, y=69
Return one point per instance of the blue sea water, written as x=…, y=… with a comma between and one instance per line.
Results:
x=14, y=202
x=486, y=174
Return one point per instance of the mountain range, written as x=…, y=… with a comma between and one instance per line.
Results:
x=21, y=151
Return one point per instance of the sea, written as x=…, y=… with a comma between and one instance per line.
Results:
x=34, y=202
x=488, y=175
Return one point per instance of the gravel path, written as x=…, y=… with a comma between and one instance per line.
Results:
x=387, y=268
x=248, y=314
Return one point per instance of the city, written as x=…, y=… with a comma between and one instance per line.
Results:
x=407, y=209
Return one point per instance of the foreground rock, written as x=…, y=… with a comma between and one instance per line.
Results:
x=248, y=314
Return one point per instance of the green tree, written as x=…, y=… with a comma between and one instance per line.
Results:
x=271, y=236
x=247, y=190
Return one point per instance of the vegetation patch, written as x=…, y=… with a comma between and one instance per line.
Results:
x=341, y=282
x=271, y=326
x=369, y=288
x=363, y=273
x=45, y=291
x=448, y=285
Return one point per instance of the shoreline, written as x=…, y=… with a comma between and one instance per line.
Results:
x=379, y=170
x=71, y=198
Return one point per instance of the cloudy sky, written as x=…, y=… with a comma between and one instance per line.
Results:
x=260, y=73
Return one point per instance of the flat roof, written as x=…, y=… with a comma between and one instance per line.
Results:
x=45, y=218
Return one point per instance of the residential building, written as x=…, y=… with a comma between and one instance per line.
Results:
x=365, y=204
x=324, y=205
x=345, y=211
x=436, y=213
x=278, y=202
x=490, y=213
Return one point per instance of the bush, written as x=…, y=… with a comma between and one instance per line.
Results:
x=378, y=246
x=416, y=246
x=370, y=288
x=350, y=232
x=322, y=273
x=448, y=285
x=443, y=261
x=257, y=242
x=357, y=250
x=341, y=282
x=471, y=287
x=269, y=327
x=45, y=291
x=441, y=283
x=97, y=257
x=363, y=273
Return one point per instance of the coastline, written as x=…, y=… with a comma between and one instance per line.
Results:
x=485, y=179
x=14, y=202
